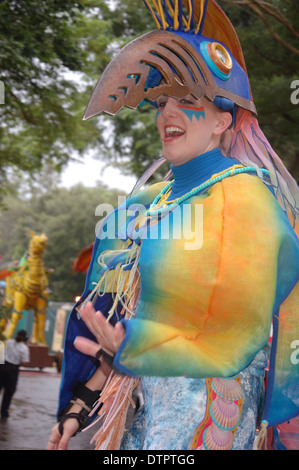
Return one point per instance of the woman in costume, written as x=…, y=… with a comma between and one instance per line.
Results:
x=167, y=347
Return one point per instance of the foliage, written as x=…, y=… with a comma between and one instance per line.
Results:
x=45, y=71
x=5, y=314
x=52, y=53
x=68, y=219
x=270, y=46
x=269, y=32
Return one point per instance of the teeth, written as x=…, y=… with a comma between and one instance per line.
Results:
x=172, y=130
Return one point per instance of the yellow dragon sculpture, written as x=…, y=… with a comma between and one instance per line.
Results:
x=27, y=289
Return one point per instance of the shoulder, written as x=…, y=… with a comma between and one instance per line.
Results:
x=245, y=179
x=248, y=192
x=24, y=351
x=239, y=193
x=249, y=200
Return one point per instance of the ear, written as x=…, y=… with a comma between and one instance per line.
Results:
x=224, y=121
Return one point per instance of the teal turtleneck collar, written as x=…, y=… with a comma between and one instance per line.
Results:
x=198, y=170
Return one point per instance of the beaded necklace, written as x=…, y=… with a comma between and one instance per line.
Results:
x=160, y=203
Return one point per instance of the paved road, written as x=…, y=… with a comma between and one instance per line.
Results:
x=32, y=414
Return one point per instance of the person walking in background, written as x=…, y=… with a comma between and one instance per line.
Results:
x=16, y=354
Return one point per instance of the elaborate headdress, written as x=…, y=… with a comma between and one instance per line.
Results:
x=195, y=50
x=187, y=60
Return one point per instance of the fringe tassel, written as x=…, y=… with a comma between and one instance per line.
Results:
x=125, y=284
x=262, y=435
x=116, y=396
x=113, y=416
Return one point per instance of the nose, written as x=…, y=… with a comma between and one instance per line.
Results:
x=170, y=109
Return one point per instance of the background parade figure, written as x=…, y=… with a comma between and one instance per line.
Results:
x=27, y=288
x=16, y=354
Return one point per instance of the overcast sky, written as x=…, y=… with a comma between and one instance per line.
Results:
x=91, y=171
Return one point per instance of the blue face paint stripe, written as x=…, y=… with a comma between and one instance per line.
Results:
x=160, y=110
x=190, y=112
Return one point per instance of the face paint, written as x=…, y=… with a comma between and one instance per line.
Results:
x=159, y=111
x=184, y=136
x=192, y=111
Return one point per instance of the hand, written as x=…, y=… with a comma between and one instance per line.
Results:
x=109, y=337
x=58, y=441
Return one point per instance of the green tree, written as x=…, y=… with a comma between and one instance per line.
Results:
x=67, y=217
x=42, y=42
x=45, y=69
x=268, y=33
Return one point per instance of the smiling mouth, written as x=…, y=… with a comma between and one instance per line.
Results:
x=172, y=132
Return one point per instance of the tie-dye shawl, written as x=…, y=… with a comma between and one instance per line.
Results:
x=205, y=312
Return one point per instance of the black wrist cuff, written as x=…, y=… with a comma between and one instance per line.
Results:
x=82, y=418
x=85, y=394
x=88, y=397
x=107, y=357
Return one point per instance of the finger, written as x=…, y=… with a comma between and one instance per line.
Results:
x=51, y=445
x=111, y=336
x=106, y=332
x=99, y=327
x=69, y=428
x=54, y=439
x=119, y=334
x=63, y=443
x=87, y=313
x=91, y=348
x=86, y=346
x=95, y=321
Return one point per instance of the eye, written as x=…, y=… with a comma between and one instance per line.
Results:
x=185, y=101
x=161, y=104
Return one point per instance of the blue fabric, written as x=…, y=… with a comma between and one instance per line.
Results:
x=78, y=366
x=175, y=406
x=198, y=170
